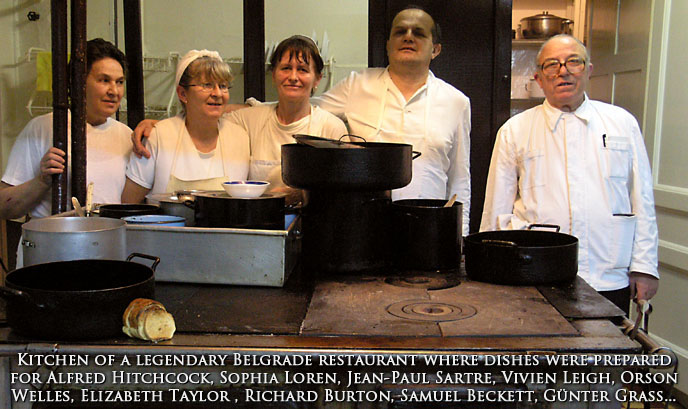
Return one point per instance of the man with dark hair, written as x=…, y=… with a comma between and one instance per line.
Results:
x=406, y=103
x=25, y=186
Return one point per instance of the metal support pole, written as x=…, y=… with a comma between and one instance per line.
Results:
x=254, y=49
x=132, y=43
x=58, y=13
x=78, y=99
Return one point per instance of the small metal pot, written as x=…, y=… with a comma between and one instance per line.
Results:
x=181, y=205
x=425, y=235
x=544, y=25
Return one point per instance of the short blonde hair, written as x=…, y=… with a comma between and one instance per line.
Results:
x=212, y=69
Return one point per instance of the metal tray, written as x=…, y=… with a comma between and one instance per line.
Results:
x=207, y=255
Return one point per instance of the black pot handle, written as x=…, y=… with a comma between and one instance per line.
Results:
x=10, y=294
x=546, y=226
x=350, y=136
x=156, y=260
x=414, y=155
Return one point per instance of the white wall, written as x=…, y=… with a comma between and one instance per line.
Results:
x=666, y=134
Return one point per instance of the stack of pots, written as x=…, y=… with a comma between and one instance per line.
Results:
x=344, y=221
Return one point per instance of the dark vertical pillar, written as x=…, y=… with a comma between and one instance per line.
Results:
x=254, y=49
x=78, y=99
x=58, y=15
x=378, y=32
x=132, y=44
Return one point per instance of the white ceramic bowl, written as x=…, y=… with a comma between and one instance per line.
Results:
x=245, y=188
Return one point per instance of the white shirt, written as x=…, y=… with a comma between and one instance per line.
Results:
x=173, y=153
x=267, y=135
x=107, y=151
x=586, y=171
x=436, y=121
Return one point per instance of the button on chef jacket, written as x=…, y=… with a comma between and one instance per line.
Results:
x=435, y=120
x=586, y=171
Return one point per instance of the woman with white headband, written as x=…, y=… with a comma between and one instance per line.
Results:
x=197, y=149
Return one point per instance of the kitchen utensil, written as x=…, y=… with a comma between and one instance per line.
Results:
x=522, y=257
x=380, y=166
x=245, y=188
x=425, y=234
x=451, y=201
x=78, y=299
x=72, y=238
x=544, y=25
x=77, y=207
x=218, y=209
x=173, y=204
x=89, y=198
x=156, y=219
x=117, y=211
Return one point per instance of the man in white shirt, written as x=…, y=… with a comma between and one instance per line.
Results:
x=406, y=103
x=26, y=184
x=582, y=165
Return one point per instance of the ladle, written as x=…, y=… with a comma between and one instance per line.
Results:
x=451, y=201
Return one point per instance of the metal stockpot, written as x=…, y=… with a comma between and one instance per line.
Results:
x=177, y=205
x=544, y=25
x=425, y=235
x=73, y=238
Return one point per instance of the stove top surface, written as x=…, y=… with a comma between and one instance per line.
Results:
x=378, y=307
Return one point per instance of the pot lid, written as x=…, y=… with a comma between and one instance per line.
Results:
x=221, y=194
x=543, y=16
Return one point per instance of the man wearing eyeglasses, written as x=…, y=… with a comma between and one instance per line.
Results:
x=582, y=165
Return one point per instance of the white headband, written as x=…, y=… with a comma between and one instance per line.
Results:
x=190, y=57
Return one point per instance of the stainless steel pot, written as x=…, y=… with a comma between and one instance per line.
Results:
x=181, y=205
x=73, y=238
x=544, y=25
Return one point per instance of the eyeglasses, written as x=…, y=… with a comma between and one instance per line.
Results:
x=210, y=86
x=551, y=67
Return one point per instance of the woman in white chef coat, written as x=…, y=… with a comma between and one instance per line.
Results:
x=296, y=67
x=197, y=149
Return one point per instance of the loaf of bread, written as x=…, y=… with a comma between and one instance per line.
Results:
x=148, y=320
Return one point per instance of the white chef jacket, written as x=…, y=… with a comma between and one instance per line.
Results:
x=436, y=120
x=267, y=135
x=108, y=146
x=172, y=156
x=586, y=171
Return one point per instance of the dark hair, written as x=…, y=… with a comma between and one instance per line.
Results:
x=436, y=30
x=296, y=46
x=97, y=49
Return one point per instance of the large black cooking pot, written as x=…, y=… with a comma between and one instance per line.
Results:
x=218, y=209
x=425, y=235
x=117, y=211
x=521, y=257
x=375, y=166
x=78, y=299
